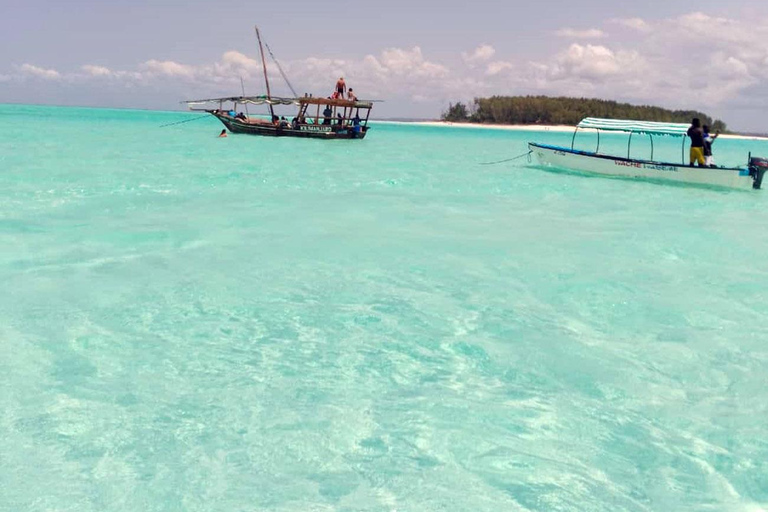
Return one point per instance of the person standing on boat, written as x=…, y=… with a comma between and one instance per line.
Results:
x=697, y=142
x=356, y=123
x=351, y=95
x=327, y=113
x=708, y=140
x=341, y=88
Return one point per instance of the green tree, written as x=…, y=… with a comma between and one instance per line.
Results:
x=456, y=113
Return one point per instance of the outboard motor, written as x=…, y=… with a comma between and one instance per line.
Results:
x=757, y=168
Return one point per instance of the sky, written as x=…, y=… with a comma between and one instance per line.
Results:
x=417, y=56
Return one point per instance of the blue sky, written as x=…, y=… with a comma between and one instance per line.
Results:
x=417, y=55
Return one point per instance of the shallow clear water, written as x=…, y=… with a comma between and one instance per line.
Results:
x=194, y=323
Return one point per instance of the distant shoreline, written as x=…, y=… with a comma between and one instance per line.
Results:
x=508, y=127
x=559, y=128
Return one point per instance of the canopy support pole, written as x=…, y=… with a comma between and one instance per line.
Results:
x=651, y=137
x=683, y=157
x=598, y=142
x=573, y=140
x=629, y=144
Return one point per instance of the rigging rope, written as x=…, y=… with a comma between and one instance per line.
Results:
x=185, y=121
x=242, y=85
x=280, y=68
x=527, y=153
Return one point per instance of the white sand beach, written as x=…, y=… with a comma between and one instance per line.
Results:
x=536, y=128
x=510, y=127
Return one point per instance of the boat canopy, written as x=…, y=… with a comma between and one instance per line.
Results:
x=647, y=127
x=251, y=100
x=274, y=100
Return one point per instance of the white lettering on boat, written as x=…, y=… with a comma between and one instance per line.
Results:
x=657, y=167
x=654, y=167
x=627, y=164
x=315, y=128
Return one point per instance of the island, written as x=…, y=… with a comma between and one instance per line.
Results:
x=551, y=111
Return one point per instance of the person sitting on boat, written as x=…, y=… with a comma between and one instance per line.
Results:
x=356, y=123
x=341, y=88
x=697, y=142
x=709, y=161
x=231, y=113
x=275, y=119
x=340, y=119
x=351, y=95
x=295, y=123
x=327, y=113
x=283, y=122
x=241, y=116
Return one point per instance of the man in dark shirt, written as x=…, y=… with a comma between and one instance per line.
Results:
x=327, y=113
x=697, y=142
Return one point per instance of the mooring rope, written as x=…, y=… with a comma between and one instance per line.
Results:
x=527, y=153
x=182, y=122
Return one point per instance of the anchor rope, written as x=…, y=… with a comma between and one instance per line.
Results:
x=527, y=153
x=185, y=121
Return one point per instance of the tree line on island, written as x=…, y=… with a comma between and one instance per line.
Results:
x=562, y=110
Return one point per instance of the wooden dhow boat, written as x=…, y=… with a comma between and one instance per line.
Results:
x=593, y=162
x=319, y=118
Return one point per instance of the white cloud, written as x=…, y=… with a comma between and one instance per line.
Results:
x=402, y=73
x=398, y=61
x=591, y=61
x=237, y=64
x=637, y=24
x=169, y=68
x=496, y=67
x=482, y=53
x=96, y=70
x=47, y=74
x=334, y=68
x=729, y=67
x=690, y=61
x=592, y=33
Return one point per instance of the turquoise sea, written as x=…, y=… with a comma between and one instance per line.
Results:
x=190, y=323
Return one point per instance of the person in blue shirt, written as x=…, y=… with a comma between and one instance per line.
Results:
x=356, y=124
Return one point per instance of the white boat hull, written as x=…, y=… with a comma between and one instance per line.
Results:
x=605, y=165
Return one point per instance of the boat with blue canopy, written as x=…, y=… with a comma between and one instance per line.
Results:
x=749, y=176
